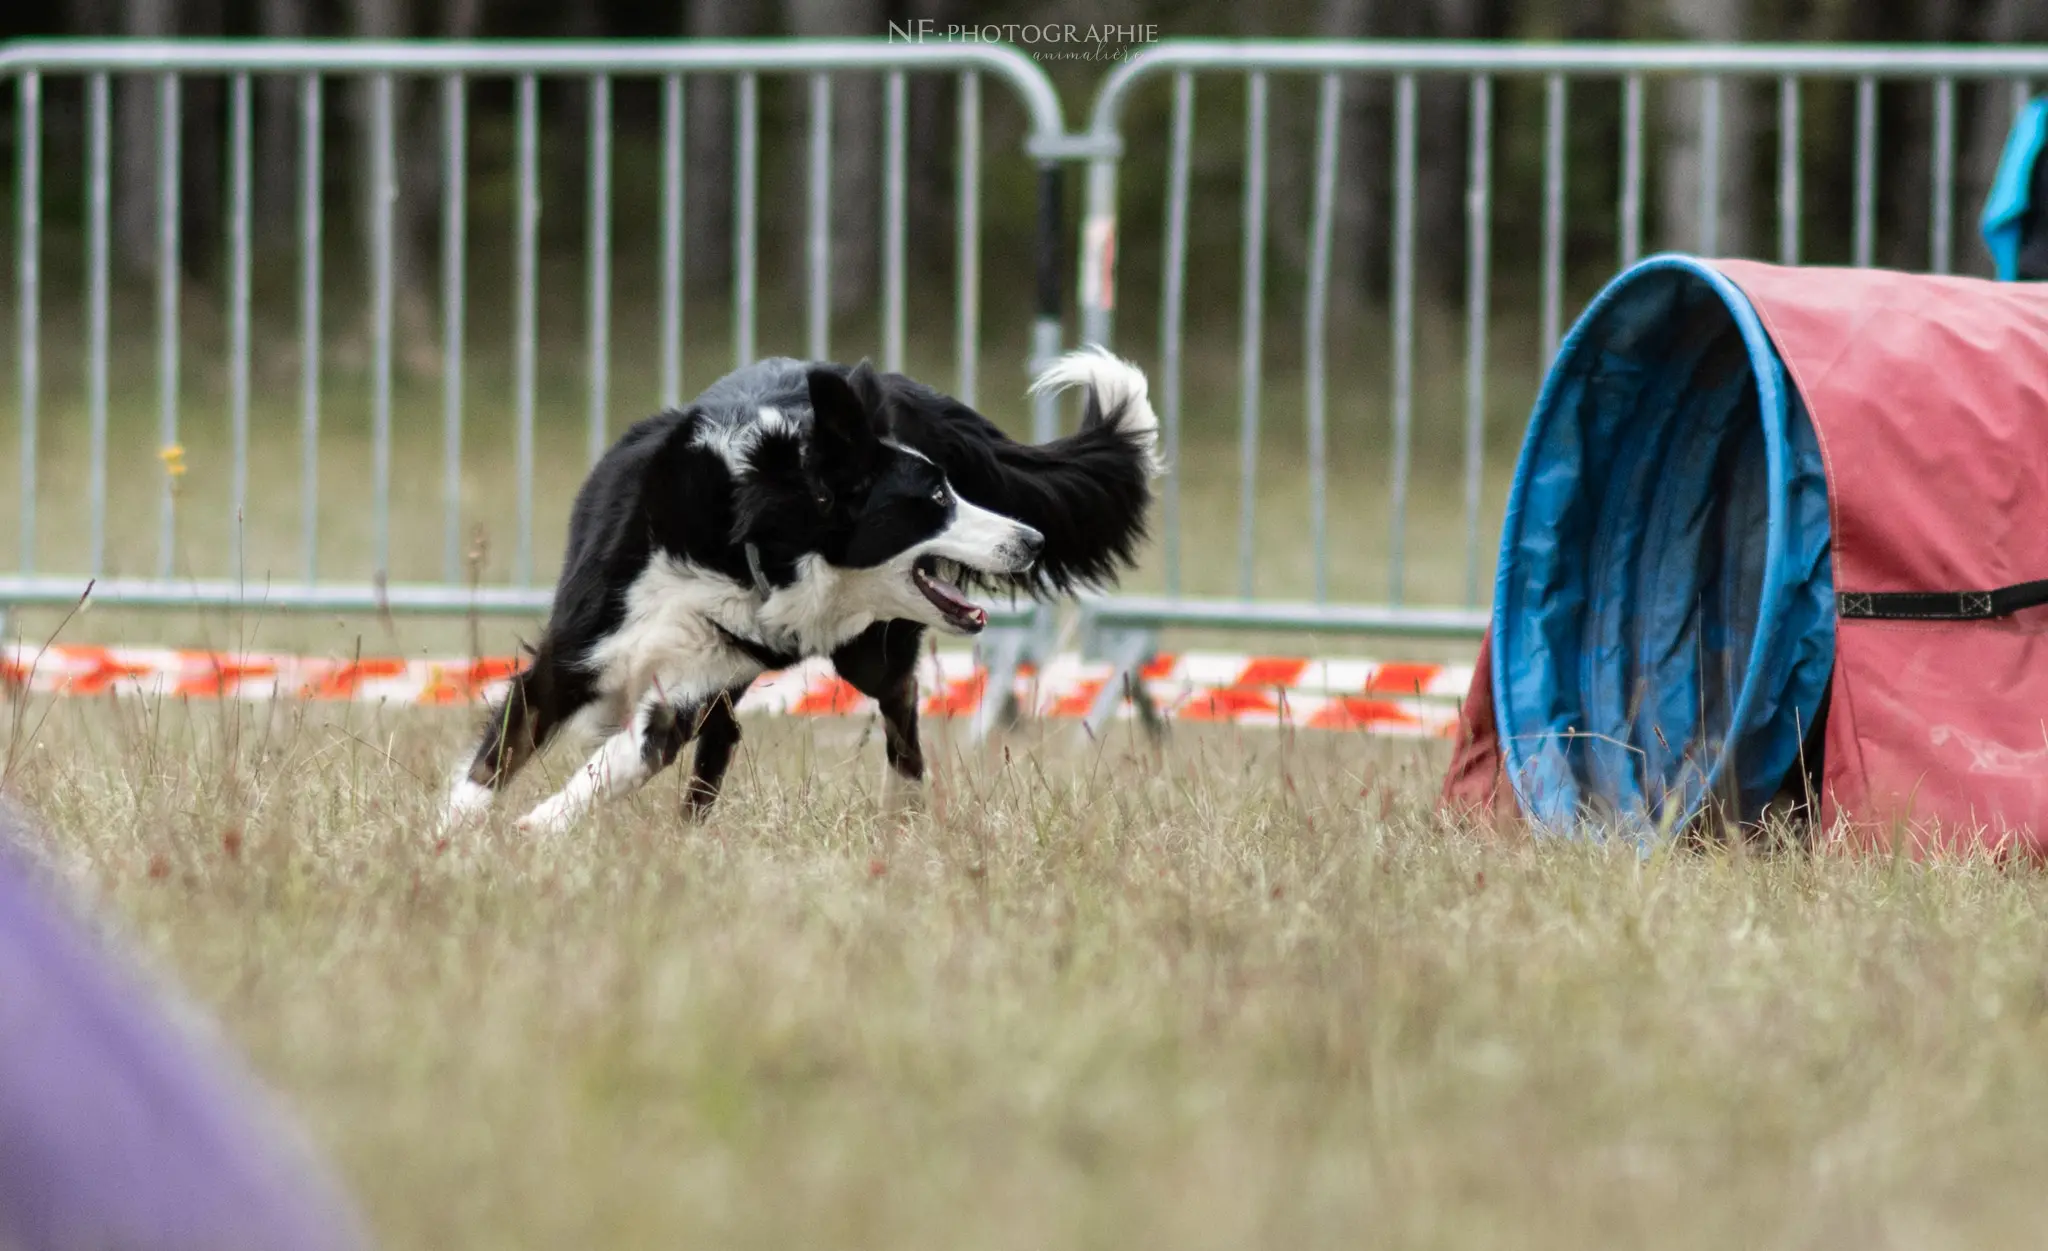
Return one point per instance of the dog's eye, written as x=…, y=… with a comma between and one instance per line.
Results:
x=823, y=499
x=941, y=497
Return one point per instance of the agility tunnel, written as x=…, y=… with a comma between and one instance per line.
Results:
x=1777, y=534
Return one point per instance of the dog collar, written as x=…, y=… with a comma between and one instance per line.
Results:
x=766, y=655
x=761, y=586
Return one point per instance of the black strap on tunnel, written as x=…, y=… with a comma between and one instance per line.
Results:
x=1941, y=605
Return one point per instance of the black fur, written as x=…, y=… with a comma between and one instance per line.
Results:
x=821, y=481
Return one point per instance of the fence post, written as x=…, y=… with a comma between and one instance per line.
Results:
x=1003, y=649
x=1046, y=331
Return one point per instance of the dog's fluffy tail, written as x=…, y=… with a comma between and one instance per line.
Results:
x=1086, y=493
x=1117, y=397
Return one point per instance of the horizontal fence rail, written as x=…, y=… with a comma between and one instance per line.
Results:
x=1406, y=396
x=178, y=87
x=1332, y=83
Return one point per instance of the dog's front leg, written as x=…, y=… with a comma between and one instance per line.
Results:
x=882, y=664
x=618, y=767
x=621, y=765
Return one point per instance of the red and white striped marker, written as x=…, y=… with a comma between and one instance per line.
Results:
x=1385, y=697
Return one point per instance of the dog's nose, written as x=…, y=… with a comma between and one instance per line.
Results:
x=1029, y=542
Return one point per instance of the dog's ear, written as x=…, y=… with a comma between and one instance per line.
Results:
x=864, y=382
x=849, y=422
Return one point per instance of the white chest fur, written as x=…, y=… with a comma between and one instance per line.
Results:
x=670, y=644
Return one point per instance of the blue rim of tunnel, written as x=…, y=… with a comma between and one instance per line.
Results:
x=1568, y=761
x=2012, y=189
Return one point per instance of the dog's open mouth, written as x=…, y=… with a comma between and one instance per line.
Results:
x=933, y=579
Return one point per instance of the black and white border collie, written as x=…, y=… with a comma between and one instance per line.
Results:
x=798, y=510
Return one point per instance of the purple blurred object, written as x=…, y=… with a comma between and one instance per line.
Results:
x=118, y=1129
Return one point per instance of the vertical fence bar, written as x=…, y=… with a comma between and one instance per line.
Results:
x=1403, y=328
x=1710, y=165
x=1631, y=169
x=967, y=238
x=454, y=241
x=598, y=298
x=1046, y=331
x=1253, y=284
x=526, y=311
x=1315, y=324
x=672, y=241
x=98, y=201
x=28, y=191
x=1943, y=215
x=1097, y=279
x=239, y=192
x=1866, y=171
x=746, y=191
x=892, y=216
x=309, y=324
x=818, y=221
x=2022, y=91
x=1172, y=298
x=1788, y=170
x=1553, y=213
x=384, y=193
x=167, y=280
x=1478, y=269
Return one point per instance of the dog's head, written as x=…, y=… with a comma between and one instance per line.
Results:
x=847, y=494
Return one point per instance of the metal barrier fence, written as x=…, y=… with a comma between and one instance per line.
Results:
x=1123, y=627
x=95, y=66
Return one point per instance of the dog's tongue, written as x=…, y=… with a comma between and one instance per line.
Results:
x=947, y=599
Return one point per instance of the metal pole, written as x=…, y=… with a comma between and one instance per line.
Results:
x=672, y=241
x=525, y=319
x=168, y=279
x=598, y=286
x=309, y=324
x=28, y=211
x=384, y=190
x=454, y=243
x=1315, y=325
x=98, y=202
x=1404, y=328
x=1251, y=289
x=967, y=240
x=239, y=192
x=1478, y=270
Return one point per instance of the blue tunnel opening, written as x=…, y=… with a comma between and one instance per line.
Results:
x=1663, y=621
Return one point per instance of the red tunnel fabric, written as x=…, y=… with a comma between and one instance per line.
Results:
x=1930, y=399
x=1476, y=784
x=1930, y=396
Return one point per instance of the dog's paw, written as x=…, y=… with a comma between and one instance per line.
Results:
x=901, y=796
x=467, y=805
x=551, y=817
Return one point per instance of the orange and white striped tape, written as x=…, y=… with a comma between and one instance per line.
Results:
x=1417, y=700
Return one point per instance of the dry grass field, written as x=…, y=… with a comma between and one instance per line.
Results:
x=1248, y=992
x=1245, y=992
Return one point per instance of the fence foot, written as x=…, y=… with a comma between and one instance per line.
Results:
x=1127, y=651
x=1001, y=650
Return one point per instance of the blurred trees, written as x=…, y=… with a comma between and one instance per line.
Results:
x=1748, y=144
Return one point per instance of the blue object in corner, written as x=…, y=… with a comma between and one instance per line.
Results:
x=2005, y=209
x=1663, y=620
